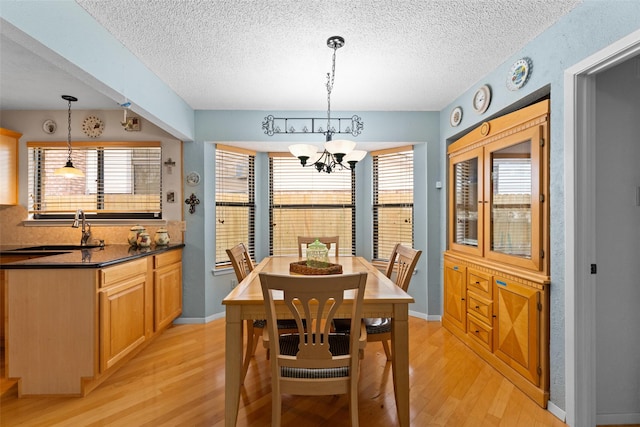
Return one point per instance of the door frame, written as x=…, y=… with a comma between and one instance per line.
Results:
x=579, y=220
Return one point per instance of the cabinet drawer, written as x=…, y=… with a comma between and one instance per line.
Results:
x=480, y=282
x=117, y=273
x=167, y=258
x=480, y=332
x=481, y=307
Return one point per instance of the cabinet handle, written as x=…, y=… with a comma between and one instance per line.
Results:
x=477, y=332
x=462, y=299
x=477, y=283
x=477, y=306
x=494, y=316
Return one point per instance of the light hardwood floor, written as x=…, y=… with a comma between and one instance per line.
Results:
x=179, y=381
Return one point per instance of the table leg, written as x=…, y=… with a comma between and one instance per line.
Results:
x=232, y=364
x=400, y=360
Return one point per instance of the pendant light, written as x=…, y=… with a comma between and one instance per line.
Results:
x=336, y=152
x=69, y=171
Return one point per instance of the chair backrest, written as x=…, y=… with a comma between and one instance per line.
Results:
x=313, y=301
x=241, y=261
x=403, y=260
x=304, y=242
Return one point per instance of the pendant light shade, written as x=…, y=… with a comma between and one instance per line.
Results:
x=69, y=171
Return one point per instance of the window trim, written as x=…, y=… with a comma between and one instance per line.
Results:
x=377, y=257
x=97, y=217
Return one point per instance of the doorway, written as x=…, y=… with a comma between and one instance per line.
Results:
x=602, y=236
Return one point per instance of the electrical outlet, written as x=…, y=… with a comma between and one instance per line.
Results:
x=183, y=225
x=234, y=284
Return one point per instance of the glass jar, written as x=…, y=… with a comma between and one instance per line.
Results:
x=162, y=237
x=317, y=254
x=133, y=234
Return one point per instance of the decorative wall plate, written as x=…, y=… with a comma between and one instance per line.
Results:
x=193, y=179
x=456, y=116
x=519, y=73
x=482, y=99
x=49, y=126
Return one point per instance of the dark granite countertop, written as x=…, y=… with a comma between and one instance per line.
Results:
x=95, y=257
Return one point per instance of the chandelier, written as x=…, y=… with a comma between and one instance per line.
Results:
x=69, y=171
x=337, y=153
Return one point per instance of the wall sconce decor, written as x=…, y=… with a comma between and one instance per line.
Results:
x=192, y=201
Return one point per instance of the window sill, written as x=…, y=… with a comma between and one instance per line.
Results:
x=94, y=222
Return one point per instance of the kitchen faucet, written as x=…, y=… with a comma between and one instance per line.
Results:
x=86, y=227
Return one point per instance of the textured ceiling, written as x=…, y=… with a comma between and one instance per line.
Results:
x=272, y=55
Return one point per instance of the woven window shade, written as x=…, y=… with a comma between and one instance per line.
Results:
x=235, y=201
x=392, y=200
x=305, y=202
x=121, y=181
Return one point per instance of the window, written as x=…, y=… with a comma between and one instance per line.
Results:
x=235, y=201
x=305, y=202
x=392, y=200
x=122, y=180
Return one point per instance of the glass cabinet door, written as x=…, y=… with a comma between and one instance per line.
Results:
x=465, y=225
x=513, y=196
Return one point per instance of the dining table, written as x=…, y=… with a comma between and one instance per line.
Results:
x=382, y=299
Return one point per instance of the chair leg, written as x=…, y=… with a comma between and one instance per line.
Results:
x=249, y=351
x=353, y=402
x=387, y=351
x=276, y=408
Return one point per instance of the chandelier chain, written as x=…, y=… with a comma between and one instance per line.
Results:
x=69, y=131
x=330, y=80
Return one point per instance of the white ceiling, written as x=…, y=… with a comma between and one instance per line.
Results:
x=405, y=55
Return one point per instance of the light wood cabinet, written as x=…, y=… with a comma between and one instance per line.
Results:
x=496, y=296
x=122, y=311
x=9, y=166
x=455, y=292
x=167, y=288
x=95, y=320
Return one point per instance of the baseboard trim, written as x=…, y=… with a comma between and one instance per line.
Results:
x=617, y=419
x=197, y=320
x=556, y=411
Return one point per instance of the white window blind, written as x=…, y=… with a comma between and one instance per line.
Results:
x=392, y=200
x=235, y=201
x=122, y=180
x=466, y=202
x=305, y=202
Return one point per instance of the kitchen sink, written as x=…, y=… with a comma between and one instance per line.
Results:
x=57, y=248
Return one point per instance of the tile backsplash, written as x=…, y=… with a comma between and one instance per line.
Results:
x=12, y=232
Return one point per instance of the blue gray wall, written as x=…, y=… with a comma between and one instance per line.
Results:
x=590, y=27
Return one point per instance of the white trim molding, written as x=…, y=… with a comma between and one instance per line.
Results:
x=579, y=221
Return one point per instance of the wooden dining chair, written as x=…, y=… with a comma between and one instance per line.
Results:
x=304, y=242
x=403, y=261
x=314, y=361
x=242, y=266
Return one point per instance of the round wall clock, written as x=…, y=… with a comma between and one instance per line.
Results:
x=193, y=179
x=456, y=116
x=92, y=126
x=482, y=99
x=519, y=73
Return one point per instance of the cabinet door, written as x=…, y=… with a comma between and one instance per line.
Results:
x=513, y=229
x=9, y=167
x=121, y=320
x=517, y=329
x=167, y=295
x=465, y=202
x=455, y=307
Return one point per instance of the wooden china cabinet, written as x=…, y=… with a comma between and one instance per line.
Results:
x=496, y=267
